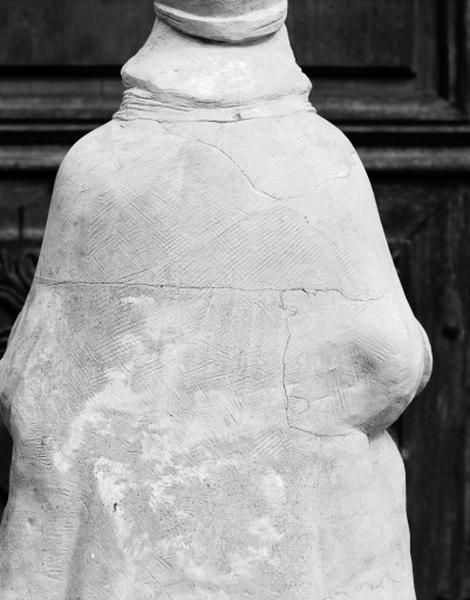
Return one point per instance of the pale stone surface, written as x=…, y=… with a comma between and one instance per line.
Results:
x=227, y=21
x=215, y=342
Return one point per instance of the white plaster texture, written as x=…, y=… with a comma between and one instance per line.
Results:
x=215, y=342
x=228, y=21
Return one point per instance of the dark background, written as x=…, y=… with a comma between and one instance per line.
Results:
x=394, y=75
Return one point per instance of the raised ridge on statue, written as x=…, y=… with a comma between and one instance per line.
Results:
x=231, y=22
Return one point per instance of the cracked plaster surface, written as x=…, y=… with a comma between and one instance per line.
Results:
x=199, y=384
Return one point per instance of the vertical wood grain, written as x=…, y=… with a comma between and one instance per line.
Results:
x=434, y=270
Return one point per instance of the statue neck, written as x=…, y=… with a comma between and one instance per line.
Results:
x=231, y=21
x=186, y=78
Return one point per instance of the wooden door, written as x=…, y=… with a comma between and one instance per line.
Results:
x=394, y=77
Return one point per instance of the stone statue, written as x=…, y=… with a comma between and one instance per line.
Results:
x=215, y=342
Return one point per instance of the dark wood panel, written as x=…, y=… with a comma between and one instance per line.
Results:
x=430, y=223
x=24, y=203
x=348, y=33
x=325, y=32
x=71, y=32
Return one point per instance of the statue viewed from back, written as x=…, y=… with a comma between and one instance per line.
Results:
x=216, y=339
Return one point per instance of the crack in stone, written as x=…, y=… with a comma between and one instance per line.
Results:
x=288, y=397
x=308, y=291
x=284, y=356
x=370, y=587
x=248, y=178
x=284, y=378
